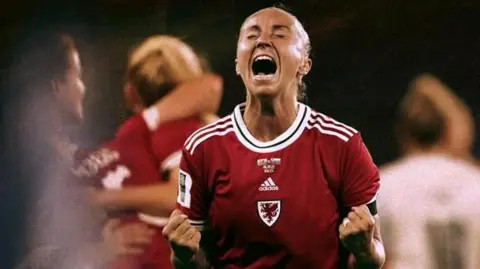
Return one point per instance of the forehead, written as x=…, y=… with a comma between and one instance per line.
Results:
x=269, y=17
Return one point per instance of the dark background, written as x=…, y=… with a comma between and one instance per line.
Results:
x=364, y=55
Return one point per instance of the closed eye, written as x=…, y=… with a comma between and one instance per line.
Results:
x=251, y=37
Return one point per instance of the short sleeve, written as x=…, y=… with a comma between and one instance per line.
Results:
x=101, y=168
x=360, y=176
x=168, y=140
x=167, y=148
x=192, y=189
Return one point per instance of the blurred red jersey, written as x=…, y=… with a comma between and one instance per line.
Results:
x=136, y=157
x=275, y=204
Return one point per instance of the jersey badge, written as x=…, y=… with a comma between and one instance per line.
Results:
x=268, y=165
x=269, y=211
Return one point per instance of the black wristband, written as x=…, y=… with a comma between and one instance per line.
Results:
x=182, y=264
x=373, y=208
x=182, y=253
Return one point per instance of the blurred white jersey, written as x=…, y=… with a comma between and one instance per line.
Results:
x=429, y=208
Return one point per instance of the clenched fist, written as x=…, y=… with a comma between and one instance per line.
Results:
x=356, y=230
x=183, y=237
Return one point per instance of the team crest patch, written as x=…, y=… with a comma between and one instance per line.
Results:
x=182, y=186
x=269, y=211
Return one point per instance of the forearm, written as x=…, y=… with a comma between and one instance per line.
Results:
x=157, y=199
x=192, y=98
x=373, y=259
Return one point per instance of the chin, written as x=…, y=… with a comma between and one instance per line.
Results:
x=263, y=90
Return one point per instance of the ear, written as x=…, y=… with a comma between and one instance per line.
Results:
x=305, y=66
x=237, y=69
x=132, y=98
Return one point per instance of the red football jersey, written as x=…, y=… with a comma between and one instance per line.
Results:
x=136, y=157
x=275, y=204
x=125, y=160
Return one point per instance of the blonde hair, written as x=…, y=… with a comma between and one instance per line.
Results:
x=159, y=63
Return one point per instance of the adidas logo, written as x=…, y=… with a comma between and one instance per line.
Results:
x=268, y=185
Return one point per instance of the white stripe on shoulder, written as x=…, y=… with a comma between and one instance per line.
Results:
x=211, y=126
x=330, y=125
x=330, y=120
x=318, y=126
x=200, y=140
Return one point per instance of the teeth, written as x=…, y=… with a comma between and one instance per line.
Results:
x=263, y=57
x=262, y=76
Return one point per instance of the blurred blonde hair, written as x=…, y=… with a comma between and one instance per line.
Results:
x=159, y=63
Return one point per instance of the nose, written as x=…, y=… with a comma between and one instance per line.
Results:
x=263, y=44
x=264, y=41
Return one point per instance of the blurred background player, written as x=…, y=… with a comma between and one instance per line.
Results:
x=51, y=111
x=244, y=180
x=430, y=197
x=459, y=130
x=50, y=75
x=139, y=169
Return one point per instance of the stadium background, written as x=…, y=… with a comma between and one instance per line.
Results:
x=364, y=55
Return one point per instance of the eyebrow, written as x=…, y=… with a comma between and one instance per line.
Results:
x=280, y=27
x=275, y=27
x=253, y=27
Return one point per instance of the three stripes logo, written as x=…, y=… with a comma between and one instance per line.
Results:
x=268, y=185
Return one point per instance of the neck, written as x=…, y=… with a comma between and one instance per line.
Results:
x=438, y=149
x=61, y=126
x=267, y=118
x=423, y=151
x=62, y=138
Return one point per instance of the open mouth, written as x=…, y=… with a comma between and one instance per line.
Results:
x=264, y=67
